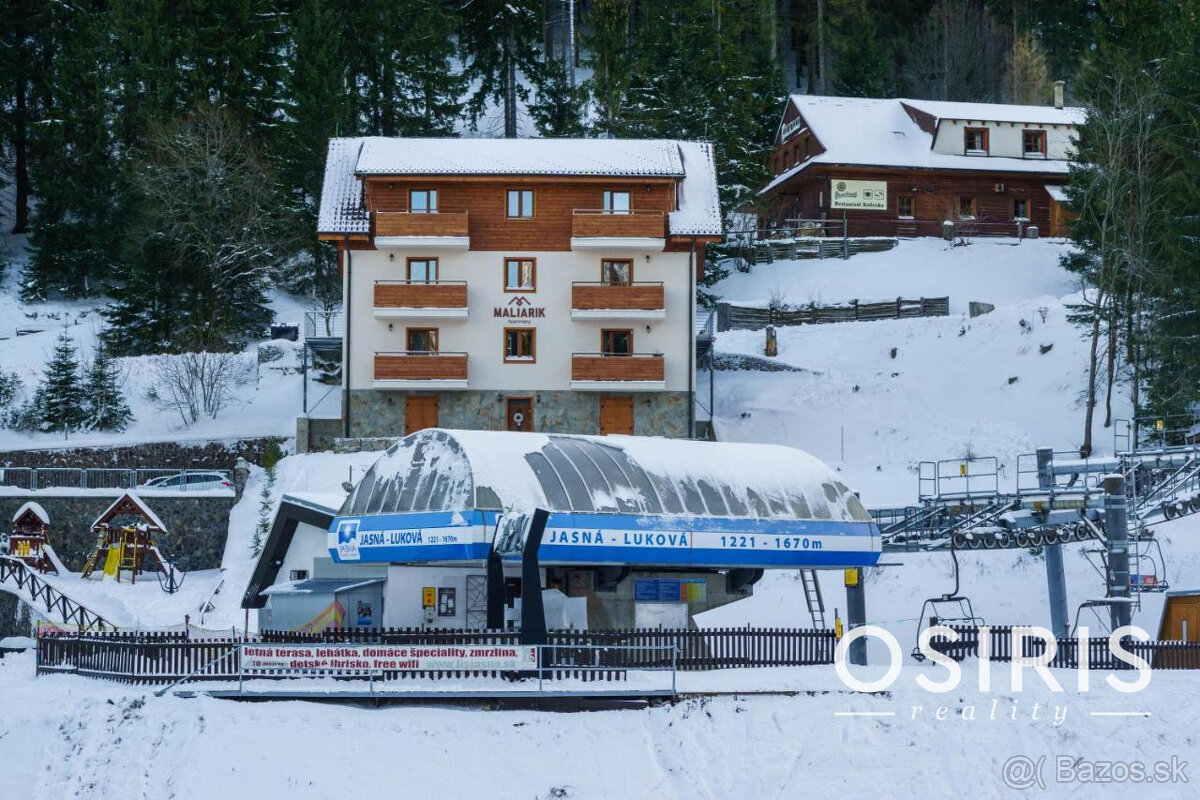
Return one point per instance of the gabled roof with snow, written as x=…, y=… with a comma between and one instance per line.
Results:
x=116, y=509
x=32, y=508
x=342, y=209
x=881, y=133
x=453, y=470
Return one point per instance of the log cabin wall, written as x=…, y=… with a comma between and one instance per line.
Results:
x=935, y=198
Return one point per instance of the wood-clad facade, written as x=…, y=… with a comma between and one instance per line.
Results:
x=935, y=196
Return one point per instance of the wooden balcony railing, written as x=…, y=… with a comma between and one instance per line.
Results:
x=406, y=294
x=420, y=366
x=602, y=367
x=623, y=297
x=402, y=223
x=594, y=224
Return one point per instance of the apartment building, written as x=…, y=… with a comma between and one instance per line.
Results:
x=519, y=284
x=903, y=167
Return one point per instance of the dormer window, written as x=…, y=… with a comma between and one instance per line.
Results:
x=422, y=201
x=1033, y=144
x=975, y=141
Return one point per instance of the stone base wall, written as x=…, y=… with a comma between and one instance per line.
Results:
x=315, y=434
x=197, y=527
x=375, y=412
x=175, y=455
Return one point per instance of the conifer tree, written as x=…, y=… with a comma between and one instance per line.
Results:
x=607, y=39
x=104, y=401
x=75, y=172
x=498, y=42
x=860, y=68
x=60, y=396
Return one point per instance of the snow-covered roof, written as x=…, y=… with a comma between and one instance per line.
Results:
x=1057, y=193
x=342, y=210
x=455, y=470
x=640, y=158
x=153, y=518
x=699, y=212
x=881, y=133
x=35, y=509
x=998, y=112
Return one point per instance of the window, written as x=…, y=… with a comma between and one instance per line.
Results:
x=975, y=140
x=520, y=275
x=520, y=203
x=616, y=273
x=422, y=340
x=422, y=270
x=616, y=202
x=616, y=343
x=966, y=207
x=298, y=575
x=904, y=206
x=519, y=344
x=1020, y=208
x=1033, y=143
x=422, y=201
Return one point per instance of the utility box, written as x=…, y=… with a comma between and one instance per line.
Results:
x=948, y=230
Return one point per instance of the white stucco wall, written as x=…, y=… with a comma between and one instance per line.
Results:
x=481, y=334
x=1004, y=139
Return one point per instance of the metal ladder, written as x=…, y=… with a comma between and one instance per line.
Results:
x=812, y=596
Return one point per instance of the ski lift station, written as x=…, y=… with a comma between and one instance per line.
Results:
x=640, y=532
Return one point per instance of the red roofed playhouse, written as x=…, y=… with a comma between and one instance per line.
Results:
x=903, y=167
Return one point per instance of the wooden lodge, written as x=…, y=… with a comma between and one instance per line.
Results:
x=904, y=167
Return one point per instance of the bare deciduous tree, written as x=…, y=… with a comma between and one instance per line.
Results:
x=196, y=385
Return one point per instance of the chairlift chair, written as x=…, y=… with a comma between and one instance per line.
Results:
x=951, y=608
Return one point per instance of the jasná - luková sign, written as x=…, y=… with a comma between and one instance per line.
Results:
x=382, y=657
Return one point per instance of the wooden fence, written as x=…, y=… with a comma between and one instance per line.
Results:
x=169, y=657
x=1159, y=655
x=731, y=317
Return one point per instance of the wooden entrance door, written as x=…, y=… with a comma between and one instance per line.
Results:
x=519, y=413
x=1182, y=620
x=616, y=415
x=420, y=412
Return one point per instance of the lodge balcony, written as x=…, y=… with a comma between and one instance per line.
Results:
x=636, y=372
x=423, y=300
x=420, y=370
x=612, y=230
x=617, y=301
x=444, y=230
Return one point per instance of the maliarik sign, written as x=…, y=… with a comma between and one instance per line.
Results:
x=868, y=195
x=374, y=657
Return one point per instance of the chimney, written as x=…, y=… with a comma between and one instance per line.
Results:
x=1058, y=93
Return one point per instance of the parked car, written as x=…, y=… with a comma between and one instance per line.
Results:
x=190, y=482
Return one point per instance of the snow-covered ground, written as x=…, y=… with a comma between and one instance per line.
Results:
x=66, y=737
x=266, y=400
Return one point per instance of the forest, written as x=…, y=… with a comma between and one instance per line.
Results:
x=169, y=155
